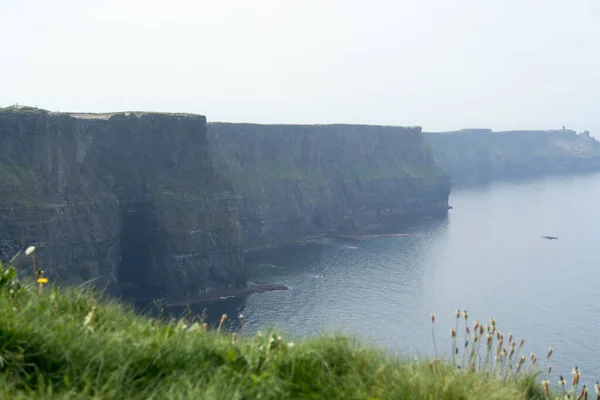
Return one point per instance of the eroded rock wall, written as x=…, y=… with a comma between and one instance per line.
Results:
x=295, y=181
x=130, y=200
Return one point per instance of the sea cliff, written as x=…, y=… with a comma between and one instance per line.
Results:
x=482, y=155
x=292, y=182
x=128, y=200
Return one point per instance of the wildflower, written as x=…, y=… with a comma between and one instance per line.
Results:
x=30, y=250
x=583, y=394
x=223, y=318
x=549, y=369
x=290, y=345
x=42, y=280
x=452, y=333
x=522, y=343
x=549, y=352
x=561, y=381
x=546, y=388
x=509, y=337
x=457, y=313
x=575, y=376
x=466, y=315
x=88, y=321
x=490, y=337
x=432, y=318
x=520, y=363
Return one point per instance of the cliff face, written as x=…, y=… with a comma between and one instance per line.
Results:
x=477, y=156
x=129, y=199
x=294, y=181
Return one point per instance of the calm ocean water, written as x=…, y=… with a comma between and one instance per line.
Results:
x=487, y=257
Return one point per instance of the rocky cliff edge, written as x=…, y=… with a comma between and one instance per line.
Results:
x=129, y=200
x=296, y=181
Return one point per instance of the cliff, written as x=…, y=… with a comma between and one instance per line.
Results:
x=295, y=181
x=481, y=155
x=128, y=199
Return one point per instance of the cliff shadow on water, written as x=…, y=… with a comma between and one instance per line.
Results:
x=325, y=268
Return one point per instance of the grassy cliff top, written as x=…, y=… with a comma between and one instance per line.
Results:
x=485, y=131
x=68, y=343
x=284, y=125
x=82, y=115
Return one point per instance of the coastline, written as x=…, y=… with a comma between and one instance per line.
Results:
x=226, y=294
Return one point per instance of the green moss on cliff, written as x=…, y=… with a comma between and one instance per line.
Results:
x=17, y=185
x=270, y=170
x=394, y=169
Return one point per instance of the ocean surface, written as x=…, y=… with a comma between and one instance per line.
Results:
x=486, y=257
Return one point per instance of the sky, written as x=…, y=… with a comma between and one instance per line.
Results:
x=439, y=64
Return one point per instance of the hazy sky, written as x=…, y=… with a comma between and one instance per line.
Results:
x=440, y=64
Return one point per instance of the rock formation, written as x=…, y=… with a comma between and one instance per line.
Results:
x=481, y=155
x=296, y=181
x=129, y=199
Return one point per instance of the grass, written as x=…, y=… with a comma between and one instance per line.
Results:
x=22, y=109
x=71, y=343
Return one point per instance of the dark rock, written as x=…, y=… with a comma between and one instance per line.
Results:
x=126, y=198
x=297, y=181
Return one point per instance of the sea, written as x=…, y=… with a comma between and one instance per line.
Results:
x=488, y=257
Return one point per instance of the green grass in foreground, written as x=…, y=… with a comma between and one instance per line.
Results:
x=66, y=343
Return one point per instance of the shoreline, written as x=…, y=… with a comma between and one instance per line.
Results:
x=382, y=235
x=226, y=294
